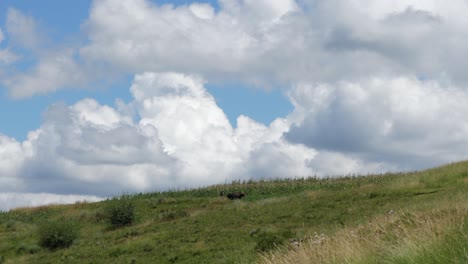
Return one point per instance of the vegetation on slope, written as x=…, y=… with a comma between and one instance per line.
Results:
x=395, y=218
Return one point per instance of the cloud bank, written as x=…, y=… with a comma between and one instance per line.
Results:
x=261, y=43
x=181, y=139
x=376, y=86
x=403, y=121
x=173, y=135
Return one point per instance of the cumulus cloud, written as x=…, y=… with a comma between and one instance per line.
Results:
x=22, y=29
x=405, y=122
x=95, y=149
x=54, y=71
x=57, y=67
x=376, y=86
x=281, y=41
x=11, y=158
x=6, y=56
x=243, y=40
x=262, y=43
x=181, y=139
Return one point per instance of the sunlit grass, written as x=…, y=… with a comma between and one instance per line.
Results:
x=389, y=218
x=438, y=235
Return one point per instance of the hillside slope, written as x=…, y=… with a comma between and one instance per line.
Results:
x=393, y=218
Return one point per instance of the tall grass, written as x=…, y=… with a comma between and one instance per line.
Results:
x=265, y=188
x=437, y=236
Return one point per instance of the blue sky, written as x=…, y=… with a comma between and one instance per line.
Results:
x=109, y=96
x=61, y=20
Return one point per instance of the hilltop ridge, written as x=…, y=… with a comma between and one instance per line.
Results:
x=393, y=218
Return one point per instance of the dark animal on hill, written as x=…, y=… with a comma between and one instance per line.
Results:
x=234, y=195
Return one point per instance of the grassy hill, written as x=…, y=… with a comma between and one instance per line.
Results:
x=418, y=217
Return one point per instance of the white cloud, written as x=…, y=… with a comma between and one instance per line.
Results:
x=269, y=41
x=6, y=56
x=238, y=41
x=378, y=10
x=203, y=11
x=57, y=67
x=12, y=200
x=11, y=159
x=54, y=71
x=264, y=43
x=264, y=13
x=353, y=65
x=195, y=131
x=22, y=29
x=332, y=163
x=94, y=146
x=134, y=30
x=189, y=122
x=404, y=122
x=278, y=159
x=181, y=139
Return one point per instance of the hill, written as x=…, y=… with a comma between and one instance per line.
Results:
x=418, y=217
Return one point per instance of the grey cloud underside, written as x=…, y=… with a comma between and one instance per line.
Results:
x=405, y=122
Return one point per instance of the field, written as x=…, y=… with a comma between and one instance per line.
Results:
x=418, y=217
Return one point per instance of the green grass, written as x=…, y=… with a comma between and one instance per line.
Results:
x=198, y=226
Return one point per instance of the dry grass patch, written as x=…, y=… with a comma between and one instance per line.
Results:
x=383, y=240
x=312, y=195
x=33, y=210
x=272, y=200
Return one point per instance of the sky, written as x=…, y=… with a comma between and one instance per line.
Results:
x=105, y=97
